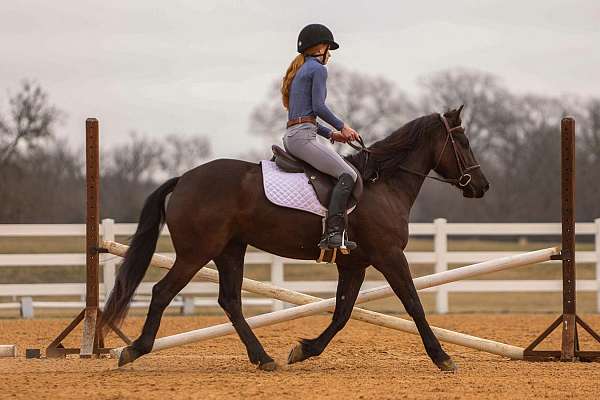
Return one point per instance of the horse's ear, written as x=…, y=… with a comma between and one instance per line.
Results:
x=460, y=108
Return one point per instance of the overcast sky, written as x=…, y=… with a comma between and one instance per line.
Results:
x=161, y=67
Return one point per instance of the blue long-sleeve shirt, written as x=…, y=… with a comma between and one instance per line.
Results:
x=307, y=96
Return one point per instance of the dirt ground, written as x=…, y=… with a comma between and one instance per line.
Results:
x=363, y=362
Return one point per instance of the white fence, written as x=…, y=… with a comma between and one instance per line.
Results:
x=22, y=294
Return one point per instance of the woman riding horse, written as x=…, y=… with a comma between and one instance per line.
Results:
x=216, y=210
x=303, y=93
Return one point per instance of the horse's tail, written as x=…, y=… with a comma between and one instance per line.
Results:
x=138, y=256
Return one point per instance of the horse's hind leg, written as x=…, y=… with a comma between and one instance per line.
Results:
x=349, y=283
x=230, y=264
x=162, y=294
x=396, y=271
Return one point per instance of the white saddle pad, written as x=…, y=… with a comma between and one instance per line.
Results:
x=290, y=190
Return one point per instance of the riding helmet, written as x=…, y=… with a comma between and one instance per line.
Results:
x=314, y=34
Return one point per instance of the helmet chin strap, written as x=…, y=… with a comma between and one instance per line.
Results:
x=323, y=55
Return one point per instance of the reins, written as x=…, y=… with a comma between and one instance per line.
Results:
x=463, y=180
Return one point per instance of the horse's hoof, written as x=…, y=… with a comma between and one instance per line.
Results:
x=447, y=365
x=128, y=355
x=296, y=355
x=268, y=366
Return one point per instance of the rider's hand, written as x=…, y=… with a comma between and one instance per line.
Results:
x=337, y=136
x=349, y=133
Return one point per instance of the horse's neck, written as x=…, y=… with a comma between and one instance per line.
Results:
x=407, y=185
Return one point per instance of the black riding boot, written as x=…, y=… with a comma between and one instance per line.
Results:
x=335, y=224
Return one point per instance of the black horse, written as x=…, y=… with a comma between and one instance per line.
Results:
x=219, y=208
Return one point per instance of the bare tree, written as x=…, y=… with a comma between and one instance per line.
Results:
x=373, y=105
x=30, y=119
x=268, y=118
x=133, y=162
x=516, y=140
x=587, y=116
x=181, y=153
x=44, y=185
x=489, y=106
x=134, y=169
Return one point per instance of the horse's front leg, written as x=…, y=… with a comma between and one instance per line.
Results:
x=349, y=282
x=395, y=269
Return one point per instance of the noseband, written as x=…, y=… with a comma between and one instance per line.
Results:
x=464, y=178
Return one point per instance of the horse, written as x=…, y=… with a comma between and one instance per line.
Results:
x=219, y=208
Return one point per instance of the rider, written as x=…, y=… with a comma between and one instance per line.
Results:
x=304, y=91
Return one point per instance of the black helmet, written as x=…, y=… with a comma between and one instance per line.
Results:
x=314, y=34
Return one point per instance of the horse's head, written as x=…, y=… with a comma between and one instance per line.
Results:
x=454, y=158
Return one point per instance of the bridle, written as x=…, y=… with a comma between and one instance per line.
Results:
x=463, y=179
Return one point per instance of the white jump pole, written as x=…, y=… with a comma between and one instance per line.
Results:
x=8, y=350
x=313, y=305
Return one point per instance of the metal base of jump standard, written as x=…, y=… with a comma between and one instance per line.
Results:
x=310, y=305
x=92, y=340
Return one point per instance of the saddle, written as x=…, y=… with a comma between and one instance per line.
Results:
x=321, y=182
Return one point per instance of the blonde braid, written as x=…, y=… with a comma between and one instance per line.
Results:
x=289, y=76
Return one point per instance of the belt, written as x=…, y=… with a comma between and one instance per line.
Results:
x=302, y=120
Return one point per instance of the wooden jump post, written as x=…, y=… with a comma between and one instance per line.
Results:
x=92, y=341
x=569, y=319
x=313, y=305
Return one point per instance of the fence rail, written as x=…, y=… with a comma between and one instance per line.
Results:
x=22, y=294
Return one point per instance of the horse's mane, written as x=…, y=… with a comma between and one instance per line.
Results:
x=389, y=153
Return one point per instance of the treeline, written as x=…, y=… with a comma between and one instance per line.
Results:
x=42, y=179
x=515, y=137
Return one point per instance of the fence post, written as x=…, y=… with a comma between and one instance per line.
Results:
x=26, y=307
x=277, y=280
x=109, y=261
x=440, y=245
x=188, y=305
x=597, y=248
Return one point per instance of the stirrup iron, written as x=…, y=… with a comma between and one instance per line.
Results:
x=322, y=256
x=343, y=247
